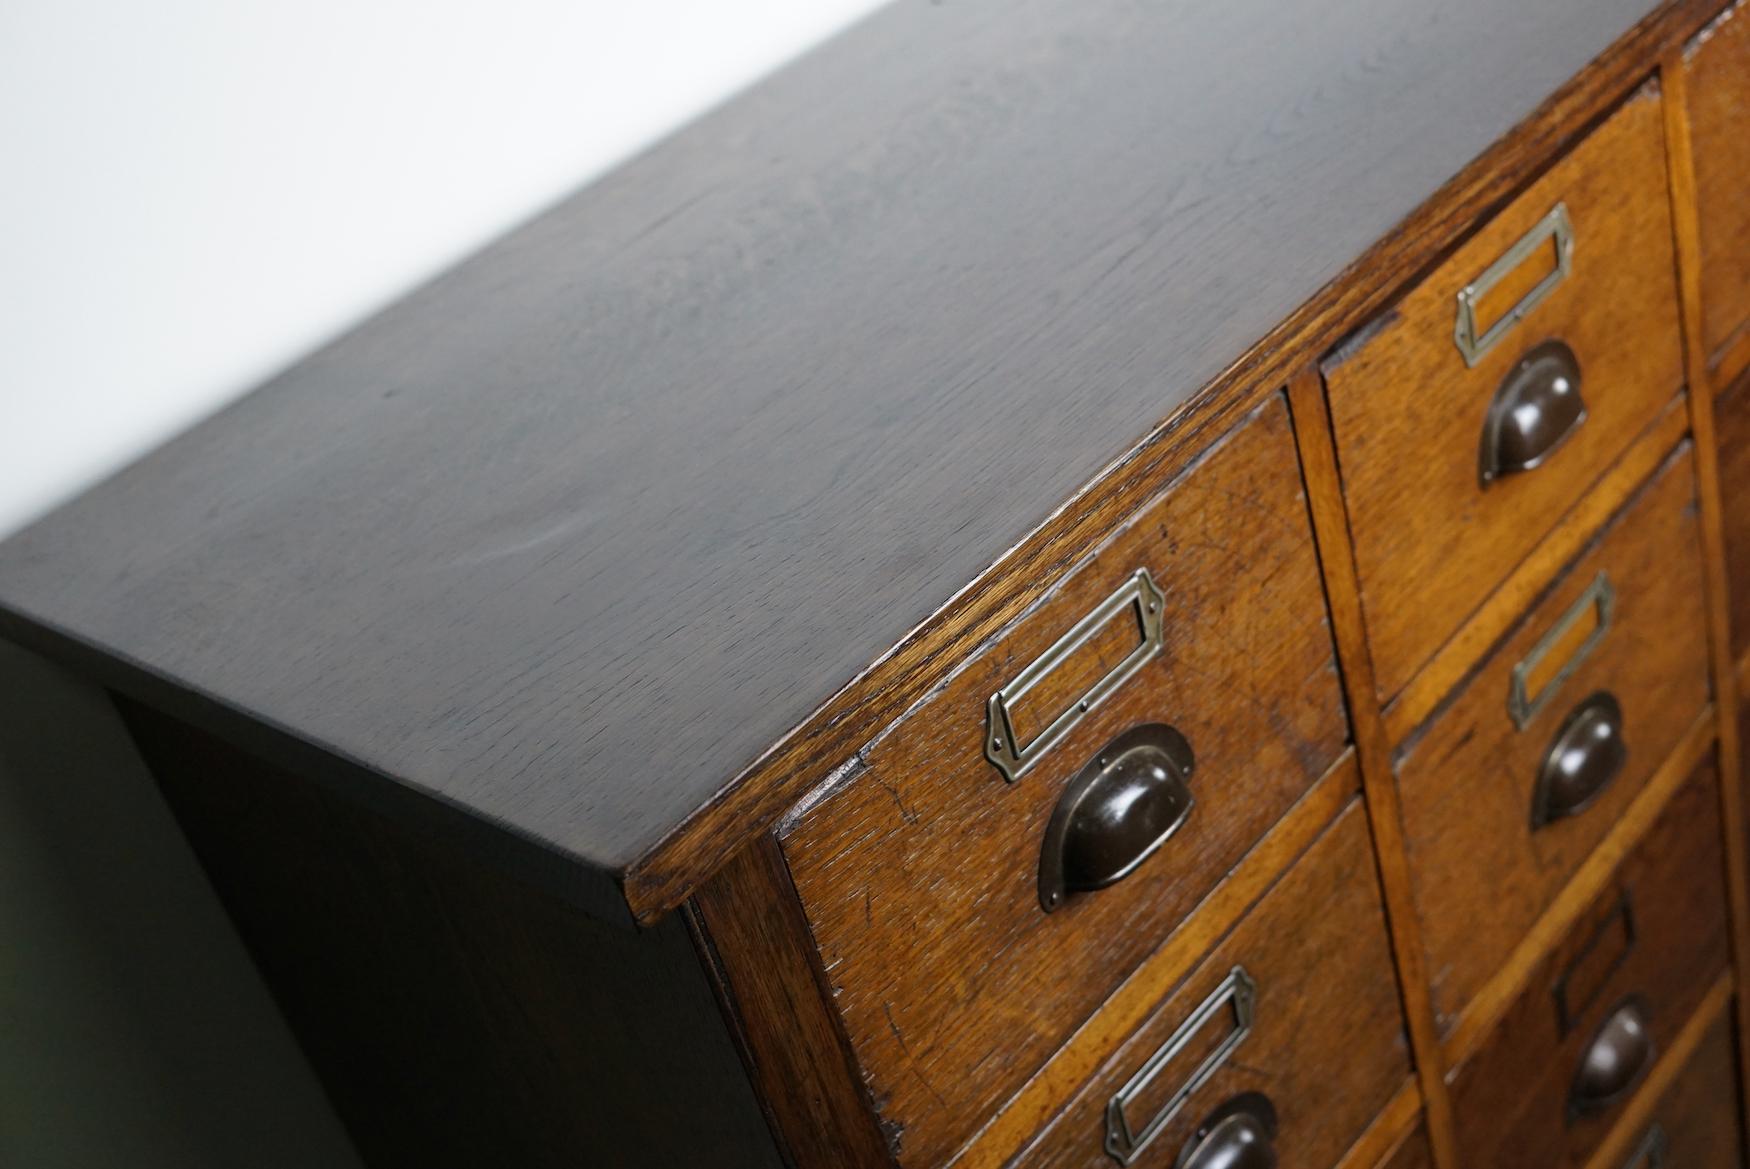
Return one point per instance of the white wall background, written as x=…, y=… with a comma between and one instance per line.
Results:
x=195, y=192
x=192, y=194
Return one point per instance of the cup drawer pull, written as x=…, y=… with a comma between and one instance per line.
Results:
x=1117, y=811
x=1585, y=756
x=1553, y=234
x=1234, y=998
x=1237, y=1135
x=1620, y=1053
x=1024, y=718
x=1537, y=408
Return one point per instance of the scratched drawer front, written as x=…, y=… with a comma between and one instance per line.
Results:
x=1431, y=538
x=1484, y=803
x=1695, y=1122
x=1719, y=126
x=921, y=876
x=1320, y=1039
x=1651, y=944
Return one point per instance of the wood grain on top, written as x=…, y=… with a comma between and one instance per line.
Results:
x=564, y=540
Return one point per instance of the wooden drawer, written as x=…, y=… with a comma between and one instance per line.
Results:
x=1732, y=425
x=1653, y=942
x=920, y=875
x=1431, y=539
x=1719, y=127
x=1323, y=1041
x=1484, y=862
x=1696, y=1119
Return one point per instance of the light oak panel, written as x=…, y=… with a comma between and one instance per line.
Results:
x=919, y=876
x=1430, y=541
x=1482, y=872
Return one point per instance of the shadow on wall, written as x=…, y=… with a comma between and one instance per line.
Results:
x=134, y=1031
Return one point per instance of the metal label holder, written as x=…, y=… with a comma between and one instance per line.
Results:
x=1523, y=706
x=1124, y=1143
x=1002, y=746
x=1554, y=227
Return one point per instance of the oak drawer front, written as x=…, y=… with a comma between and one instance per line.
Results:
x=1319, y=1038
x=1719, y=127
x=1732, y=425
x=1492, y=801
x=1634, y=967
x=1696, y=1119
x=1431, y=538
x=921, y=876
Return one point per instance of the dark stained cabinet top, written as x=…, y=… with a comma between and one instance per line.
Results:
x=558, y=545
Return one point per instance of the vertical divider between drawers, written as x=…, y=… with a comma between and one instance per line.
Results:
x=1686, y=230
x=1316, y=442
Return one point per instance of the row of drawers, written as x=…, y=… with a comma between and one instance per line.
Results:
x=1291, y=1023
x=1691, y=1121
x=1108, y=895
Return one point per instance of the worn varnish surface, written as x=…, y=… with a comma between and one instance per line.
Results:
x=1430, y=543
x=1719, y=121
x=920, y=877
x=1327, y=1042
x=1468, y=777
x=1510, y=1095
x=572, y=535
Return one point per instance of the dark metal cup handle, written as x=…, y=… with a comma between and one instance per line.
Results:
x=1587, y=753
x=1119, y=808
x=1238, y=1135
x=1620, y=1053
x=1536, y=409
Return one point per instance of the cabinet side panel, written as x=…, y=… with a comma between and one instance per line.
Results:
x=457, y=1017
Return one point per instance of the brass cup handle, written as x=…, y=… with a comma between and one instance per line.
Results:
x=1620, y=1053
x=1587, y=753
x=1118, y=809
x=1238, y=1135
x=1537, y=408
